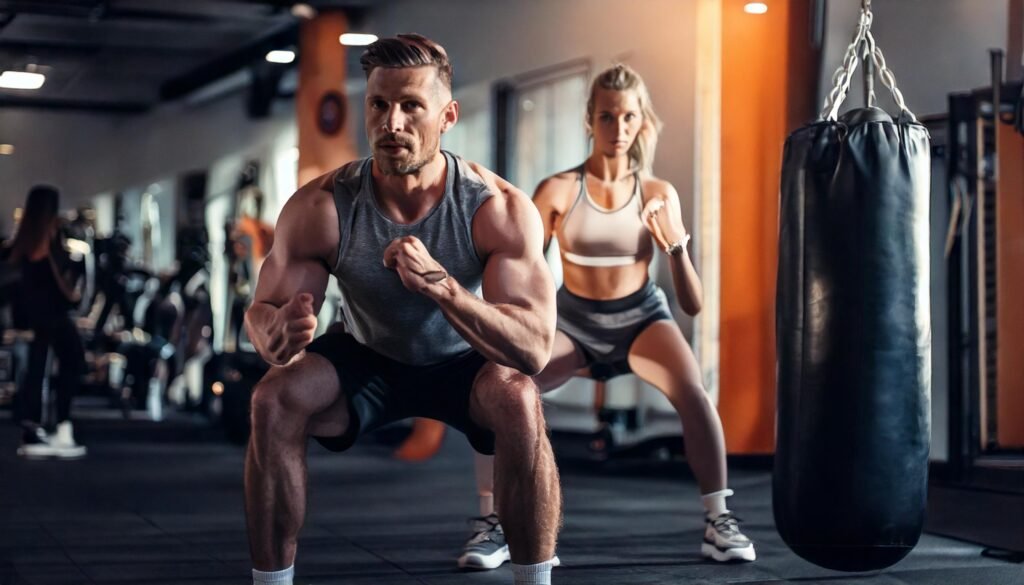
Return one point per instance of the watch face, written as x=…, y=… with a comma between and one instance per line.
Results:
x=330, y=115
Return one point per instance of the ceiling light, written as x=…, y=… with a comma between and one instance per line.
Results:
x=21, y=80
x=281, y=56
x=303, y=10
x=6, y=149
x=357, y=39
x=755, y=8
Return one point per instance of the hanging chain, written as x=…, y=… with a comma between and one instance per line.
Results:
x=863, y=47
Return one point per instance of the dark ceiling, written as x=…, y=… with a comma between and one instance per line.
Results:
x=126, y=56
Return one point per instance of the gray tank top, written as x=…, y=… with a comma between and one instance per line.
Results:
x=378, y=310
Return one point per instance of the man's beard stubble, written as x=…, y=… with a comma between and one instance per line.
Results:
x=410, y=165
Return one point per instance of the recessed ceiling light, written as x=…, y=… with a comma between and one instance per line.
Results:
x=357, y=39
x=6, y=149
x=281, y=56
x=303, y=10
x=755, y=8
x=21, y=80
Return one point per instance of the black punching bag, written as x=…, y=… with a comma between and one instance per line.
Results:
x=853, y=334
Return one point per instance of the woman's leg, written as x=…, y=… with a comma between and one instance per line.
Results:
x=30, y=392
x=67, y=348
x=661, y=357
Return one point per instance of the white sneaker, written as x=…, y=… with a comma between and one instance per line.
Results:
x=723, y=540
x=63, y=442
x=487, y=549
x=35, y=444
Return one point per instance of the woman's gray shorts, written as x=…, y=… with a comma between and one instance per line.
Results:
x=604, y=330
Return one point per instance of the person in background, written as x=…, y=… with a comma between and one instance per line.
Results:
x=611, y=215
x=43, y=301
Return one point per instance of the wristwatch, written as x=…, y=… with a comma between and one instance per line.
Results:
x=677, y=248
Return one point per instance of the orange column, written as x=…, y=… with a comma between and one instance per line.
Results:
x=321, y=106
x=754, y=119
x=1009, y=283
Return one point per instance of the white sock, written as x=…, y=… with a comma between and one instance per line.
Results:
x=714, y=502
x=486, y=504
x=539, y=574
x=282, y=577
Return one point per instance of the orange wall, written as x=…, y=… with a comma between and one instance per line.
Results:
x=1010, y=283
x=754, y=119
x=321, y=69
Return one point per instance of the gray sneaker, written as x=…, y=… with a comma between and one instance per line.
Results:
x=487, y=548
x=724, y=542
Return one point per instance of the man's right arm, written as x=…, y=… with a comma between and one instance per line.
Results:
x=292, y=282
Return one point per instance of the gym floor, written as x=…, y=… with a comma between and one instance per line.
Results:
x=162, y=504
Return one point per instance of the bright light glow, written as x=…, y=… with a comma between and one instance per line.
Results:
x=6, y=149
x=217, y=388
x=303, y=10
x=21, y=80
x=281, y=56
x=755, y=8
x=356, y=39
x=78, y=246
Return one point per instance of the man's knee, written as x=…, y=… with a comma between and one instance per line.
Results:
x=274, y=401
x=511, y=402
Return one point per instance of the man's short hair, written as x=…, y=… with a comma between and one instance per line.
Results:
x=408, y=50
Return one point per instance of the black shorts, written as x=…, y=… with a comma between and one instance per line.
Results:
x=604, y=331
x=381, y=390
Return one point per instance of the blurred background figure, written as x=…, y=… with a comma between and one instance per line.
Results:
x=42, y=302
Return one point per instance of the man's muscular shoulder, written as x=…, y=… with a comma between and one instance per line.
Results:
x=505, y=219
x=309, y=220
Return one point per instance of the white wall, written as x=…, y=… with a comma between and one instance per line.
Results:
x=934, y=47
x=86, y=154
x=48, y=147
x=492, y=39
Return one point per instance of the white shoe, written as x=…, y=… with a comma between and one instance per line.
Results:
x=63, y=442
x=724, y=542
x=487, y=549
x=35, y=444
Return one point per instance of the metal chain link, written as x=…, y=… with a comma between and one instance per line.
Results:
x=862, y=47
x=841, y=78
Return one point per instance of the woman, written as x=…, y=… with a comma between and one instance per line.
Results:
x=44, y=302
x=608, y=215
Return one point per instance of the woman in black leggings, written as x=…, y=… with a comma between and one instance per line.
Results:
x=43, y=303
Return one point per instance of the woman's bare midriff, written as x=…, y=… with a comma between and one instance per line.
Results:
x=604, y=283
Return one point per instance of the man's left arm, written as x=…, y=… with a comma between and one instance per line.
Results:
x=514, y=323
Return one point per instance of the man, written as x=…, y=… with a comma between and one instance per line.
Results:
x=409, y=233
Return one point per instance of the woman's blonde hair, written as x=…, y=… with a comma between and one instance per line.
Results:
x=621, y=78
